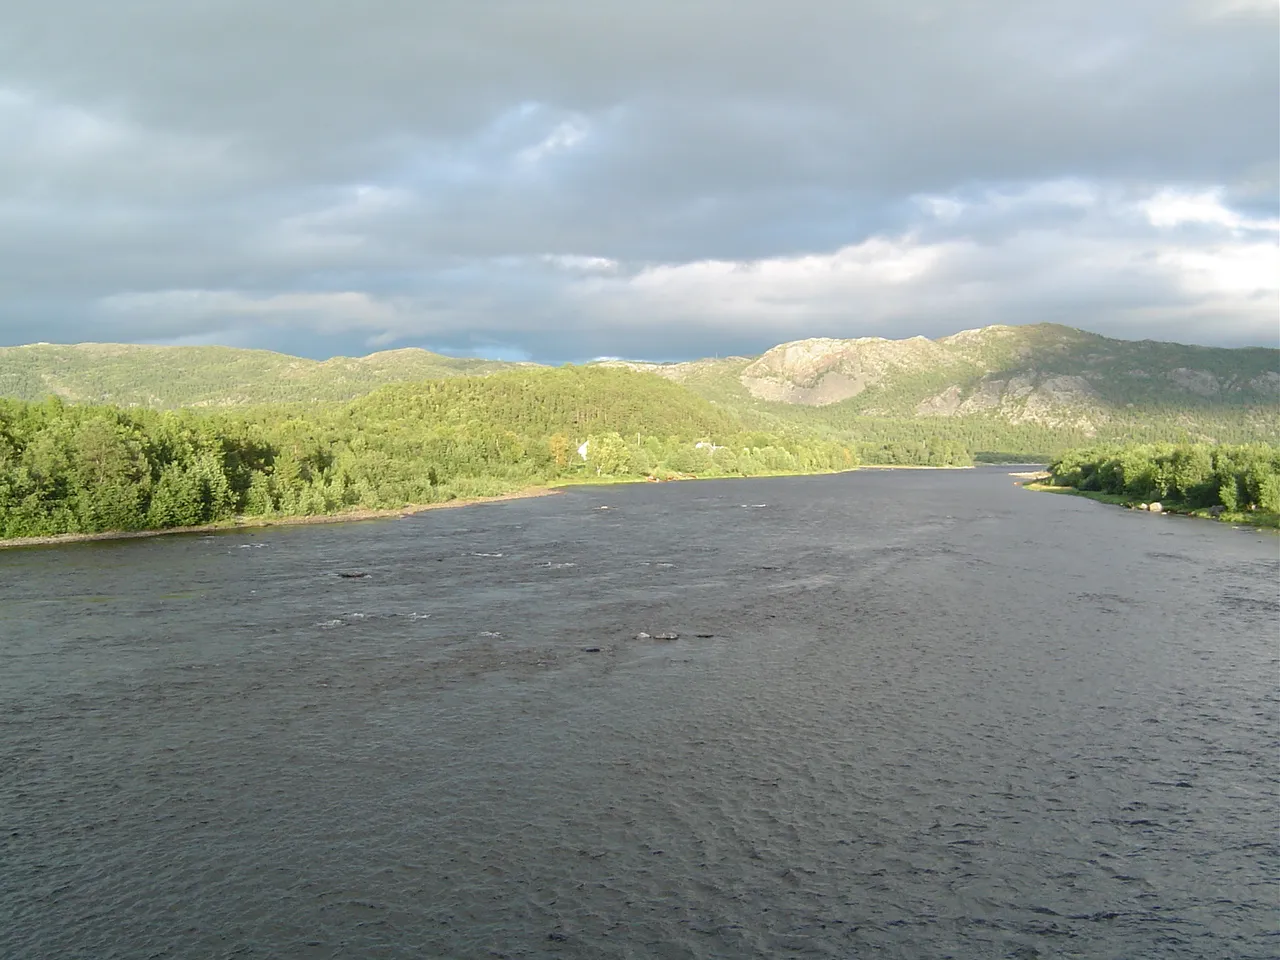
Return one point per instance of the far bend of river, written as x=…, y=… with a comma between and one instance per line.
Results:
x=933, y=715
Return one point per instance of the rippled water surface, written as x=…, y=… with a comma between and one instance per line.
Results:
x=908, y=714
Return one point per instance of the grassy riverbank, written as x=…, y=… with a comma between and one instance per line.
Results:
x=1252, y=518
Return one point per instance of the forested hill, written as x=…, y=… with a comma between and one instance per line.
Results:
x=68, y=468
x=129, y=375
x=1027, y=390
x=573, y=401
x=1038, y=374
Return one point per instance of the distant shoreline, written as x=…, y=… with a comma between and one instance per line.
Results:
x=918, y=466
x=1254, y=520
x=253, y=523
x=349, y=516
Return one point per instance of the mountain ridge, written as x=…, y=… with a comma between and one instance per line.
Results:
x=1046, y=376
x=214, y=376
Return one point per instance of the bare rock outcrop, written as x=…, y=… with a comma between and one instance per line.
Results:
x=1052, y=401
x=1200, y=382
x=820, y=371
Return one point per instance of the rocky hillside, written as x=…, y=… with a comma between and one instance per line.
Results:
x=165, y=377
x=1048, y=384
x=1048, y=375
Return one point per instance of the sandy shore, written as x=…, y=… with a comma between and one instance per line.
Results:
x=249, y=523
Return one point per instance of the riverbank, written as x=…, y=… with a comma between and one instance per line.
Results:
x=347, y=516
x=362, y=513
x=916, y=466
x=687, y=477
x=1252, y=518
x=258, y=522
x=254, y=523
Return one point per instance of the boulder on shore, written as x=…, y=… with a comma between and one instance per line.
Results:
x=1144, y=506
x=1156, y=507
x=1216, y=510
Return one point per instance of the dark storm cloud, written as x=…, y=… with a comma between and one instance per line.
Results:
x=565, y=179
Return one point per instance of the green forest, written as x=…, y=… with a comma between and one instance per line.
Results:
x=1239, y=481
x=89, y=468
x=83, y=469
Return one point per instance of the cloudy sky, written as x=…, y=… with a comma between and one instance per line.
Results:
x=565, y=179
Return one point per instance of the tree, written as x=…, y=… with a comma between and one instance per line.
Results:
x=176, y=499
x=1191, y=473
x=110, y=476
x=607, y=454
x=561, y=450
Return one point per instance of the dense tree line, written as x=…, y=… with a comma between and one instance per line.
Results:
x=929, y=451
x=69, y=469
x=1236, y=478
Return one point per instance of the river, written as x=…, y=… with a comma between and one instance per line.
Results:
x=907, y=714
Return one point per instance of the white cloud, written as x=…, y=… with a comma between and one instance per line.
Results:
x=1070, y=194
x=578, y=263
x=1172, y=208
x=1153, y=282
x=781, y=290
x=1235, y=8
x=941, y=208
x=1119, y=268
x=1249, y=270
x=566, y=135
x=780, y=173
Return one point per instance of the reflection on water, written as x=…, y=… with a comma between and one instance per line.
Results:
x=905, y=714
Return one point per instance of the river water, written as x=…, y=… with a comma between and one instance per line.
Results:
x=908, y=714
